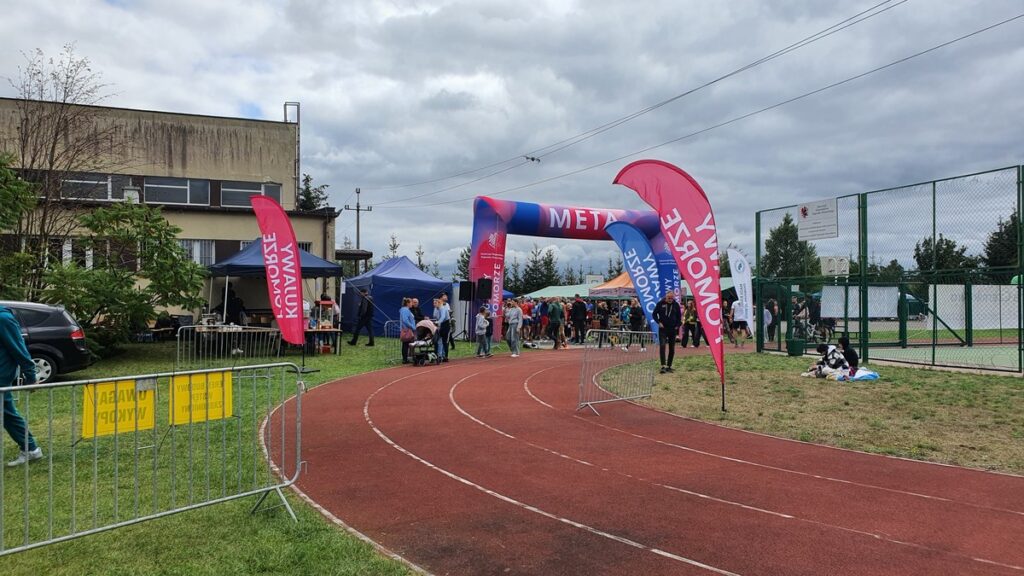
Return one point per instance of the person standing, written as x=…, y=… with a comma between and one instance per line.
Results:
x=365, y=318
x=636, y=325
x=513, y=324
x=555, y=318
x=14, y=356
x=443, y=320
x=406, y=322
x=603, y=316
x=690, y=325
x=416, y=312
x=578, y=314
x=768, y=318
x=483, y=346
x=669, y=317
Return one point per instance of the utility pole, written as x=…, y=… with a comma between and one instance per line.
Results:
x=358, y=209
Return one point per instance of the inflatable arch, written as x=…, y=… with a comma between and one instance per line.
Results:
x=494, y=220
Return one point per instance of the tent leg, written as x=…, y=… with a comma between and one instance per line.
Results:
x=224, y=303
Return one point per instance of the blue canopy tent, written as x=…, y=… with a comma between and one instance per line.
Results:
x=388, y=283
x=249, y=263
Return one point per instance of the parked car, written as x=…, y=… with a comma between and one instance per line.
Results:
x=54, y=338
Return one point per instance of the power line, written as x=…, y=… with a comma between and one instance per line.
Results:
x=583, y=136
x=741, y=117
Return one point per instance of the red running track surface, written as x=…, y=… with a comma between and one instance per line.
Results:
x=485, y=467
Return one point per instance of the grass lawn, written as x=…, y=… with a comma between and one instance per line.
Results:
x=221, y=539
x=955, y=418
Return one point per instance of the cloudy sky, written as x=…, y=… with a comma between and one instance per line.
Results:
x=396, y=93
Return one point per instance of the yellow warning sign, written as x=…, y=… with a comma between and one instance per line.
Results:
x=122, y=406
x=200, y=397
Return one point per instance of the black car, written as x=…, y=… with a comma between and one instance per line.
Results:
x=55, y=340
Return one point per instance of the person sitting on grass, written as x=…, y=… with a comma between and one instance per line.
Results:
x=830, y=363
x=852, y=359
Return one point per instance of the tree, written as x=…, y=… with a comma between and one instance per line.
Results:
x=514, y=277
x=435, y=270
x=462, y=266
x=569, y=277
x=311, y=197
x=1001, y=246
x=785, y=256
x=944, y=254
x=129, y=242
x=60, y=134
x=891, y=272
x=16, y=198
x=614, y=268
x=392, y=248
x=420, y=253
x=533, y=273
x=549, y=269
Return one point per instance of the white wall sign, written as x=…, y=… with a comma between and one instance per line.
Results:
x=835, y=265
x=817, y=220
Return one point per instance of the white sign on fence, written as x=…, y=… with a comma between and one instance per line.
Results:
x=883, y=301
x=992, y=307
x=817, y=220
x=835, y=265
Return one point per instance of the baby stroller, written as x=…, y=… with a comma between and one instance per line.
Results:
x=423, y=350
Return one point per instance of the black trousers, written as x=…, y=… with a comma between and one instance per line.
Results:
x=363, y=323
x=581, y=330
x=691, y=330
x=667, y=338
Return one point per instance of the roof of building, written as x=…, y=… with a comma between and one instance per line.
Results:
x=8, y=99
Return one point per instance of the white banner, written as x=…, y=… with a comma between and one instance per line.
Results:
x=992, y=306
x=817, y=220
x=883, y=301
x=743, y=308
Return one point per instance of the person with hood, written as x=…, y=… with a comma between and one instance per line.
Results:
x=578, y=314
x=669, y=317
x=14, y=357
x=365, y=317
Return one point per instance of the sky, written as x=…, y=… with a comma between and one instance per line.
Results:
x=397, y=93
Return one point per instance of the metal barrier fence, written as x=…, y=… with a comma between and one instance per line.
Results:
x=391, y=347
x=617, y=365
x=128, y=449
x=206, y=346
x=935, y=267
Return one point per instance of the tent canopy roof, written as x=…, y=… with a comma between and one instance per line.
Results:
x=249, y=262
x=562, y=291
x=398, y=269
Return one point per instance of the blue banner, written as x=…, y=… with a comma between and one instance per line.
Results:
x=668, y=272
x=639, y=260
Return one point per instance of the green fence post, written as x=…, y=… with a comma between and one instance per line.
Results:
x=903, y=312
x=759, y=321
x=1020, y=268
x=969, y=314
x=862, y=200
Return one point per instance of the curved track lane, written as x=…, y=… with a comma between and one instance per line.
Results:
x=484, y=467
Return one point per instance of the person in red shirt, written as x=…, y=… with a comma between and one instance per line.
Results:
x=527, y=308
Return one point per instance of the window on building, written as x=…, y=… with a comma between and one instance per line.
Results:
x=307, y=246
x=177, y=191
x=92, y=186
x=199, y=251
x=236, y=194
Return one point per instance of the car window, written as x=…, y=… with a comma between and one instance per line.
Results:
x=30, y=318
x=70, y=318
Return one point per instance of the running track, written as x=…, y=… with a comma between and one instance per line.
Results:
x=484, y=467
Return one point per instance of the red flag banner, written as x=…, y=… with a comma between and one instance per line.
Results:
x=284, y=267
x=689, y=228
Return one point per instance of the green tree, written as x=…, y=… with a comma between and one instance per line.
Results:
x=944, y=254
x=549, y=269
x=311, y=197
x=785, y=256
x=569, y=277
x=16, y=198
x=420, y=263
x=891, y=272
x=1001, y=246
x=614, y=268
x=533, y=273
x=393, y=246
x=130, y=242
x=514, y=276
x=462, y=266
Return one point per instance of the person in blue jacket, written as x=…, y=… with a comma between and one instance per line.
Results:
x=14, y=356
x=406, y=321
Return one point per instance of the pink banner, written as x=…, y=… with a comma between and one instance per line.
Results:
x=689, y=228
x=284, y=267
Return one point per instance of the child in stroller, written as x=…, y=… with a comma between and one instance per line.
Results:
x=423, y=348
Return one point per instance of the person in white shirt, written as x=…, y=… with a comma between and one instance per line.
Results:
x=513, y=323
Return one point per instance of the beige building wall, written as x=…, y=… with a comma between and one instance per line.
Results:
x=187, y=145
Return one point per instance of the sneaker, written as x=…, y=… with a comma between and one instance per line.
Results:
x=479, y=355
x=488, y=355
x=369, y=344
x=625, y=349
x=515, y=355
x=669, y=369
x=642, y=349
x=663, y=370
x=25, y=457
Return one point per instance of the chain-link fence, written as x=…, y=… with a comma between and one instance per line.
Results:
x=617, y=365
x=922, y=274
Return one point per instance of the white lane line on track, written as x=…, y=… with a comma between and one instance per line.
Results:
x=874, y=535
x=524, y=506
x=526, y=386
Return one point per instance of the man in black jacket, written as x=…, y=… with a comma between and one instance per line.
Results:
x=365, y=318
x=578, y=314
x=669, y=317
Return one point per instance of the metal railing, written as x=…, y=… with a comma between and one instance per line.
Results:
x=390, y=345
x=207, y=346
x=617, y=365
x=125, y=450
